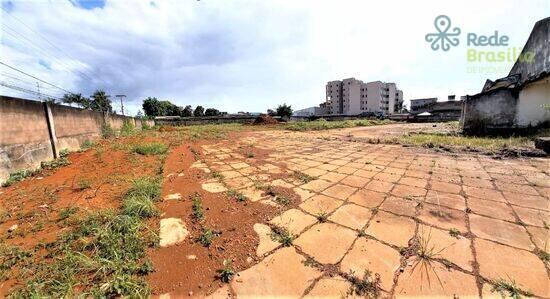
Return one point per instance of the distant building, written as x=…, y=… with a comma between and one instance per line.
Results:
x=418, y=104
x=305, y=112
x=353, y=97
x=520, y=100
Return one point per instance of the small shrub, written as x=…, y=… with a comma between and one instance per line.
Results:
x=66, y=213
x=86, y=144
x=18, y=176
x=198, y=213
x=454, y=232
x=84, y=184
x=154, y=148
x=127, y=128
x=236, y=194
x=226, y=273
x=282, y=200
x=107, y=131
x=56, y=163
x=206, y=236
x=217, y=175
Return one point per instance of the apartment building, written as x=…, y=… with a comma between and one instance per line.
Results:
x=353, y=97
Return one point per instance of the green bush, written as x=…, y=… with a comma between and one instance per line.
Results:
x=128, y=128
x=87, y=144
x=107, y=131
x=18, y=176
x=154, y=148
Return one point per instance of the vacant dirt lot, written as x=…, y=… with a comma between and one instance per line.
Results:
x=317, y=214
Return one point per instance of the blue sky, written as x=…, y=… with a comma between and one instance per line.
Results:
x=251, y=55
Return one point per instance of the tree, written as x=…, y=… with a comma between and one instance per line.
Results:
x=78, y=99
x=199, y=111
x=284, y=110
x=211, y=112
x=270, y=112
x=153, y=107
x=101, y=102
x=187, y=111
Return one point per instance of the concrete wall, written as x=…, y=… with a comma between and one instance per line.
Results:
x=532, y=107
x=537, y=44
x=26, y=139
x=490, y=111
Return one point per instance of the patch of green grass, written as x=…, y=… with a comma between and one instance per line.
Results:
x=18, y=176
x=217, y=175
x=61, y=161
x=488, y=143
x=304, y=178
x=227, y=272
x=84, y=184
x=67, y=212
x=322, y=124
x=87, y=144
x=509, y=289
x=206, y=236
x=139, y=200
x=282, y=236
x=153, y=148
x=198, y=212
x=104, y=256
x=11, y=256
x=236, y=194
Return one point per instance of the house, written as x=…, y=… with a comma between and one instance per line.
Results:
x=520, y=100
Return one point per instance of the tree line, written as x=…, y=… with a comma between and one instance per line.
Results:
x=152, y=107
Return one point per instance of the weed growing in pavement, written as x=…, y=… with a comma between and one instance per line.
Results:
x=18, y=176
x=309, y=262
x=250, y=155
x=362, y=233
x=282, y=200
x=509, y=289
x=217, y=175
x=153, y=148
x=206, y=236
x=304, y=178
x=198, y=213
x=367, y=286
x=226, y=273
x=236, y=194
x=454, y=232
x=543, y=255
x=282, y=236
x=322, y=217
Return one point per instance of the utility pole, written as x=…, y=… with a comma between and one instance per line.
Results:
x=121, y=96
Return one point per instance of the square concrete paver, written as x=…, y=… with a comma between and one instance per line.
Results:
x=351, y=215
x=398, y=205
x=454, y=249
x=533, y=216
x=320, y=204
x=408, y=191
x=281, y=274
x=491, y=208
x=294, y=221
x=266, y=242
x=432, y=279
x=529, y=201
x=355, y=181
x=326, y=242
x=373, y=256
x=503, y=262
x=483, y=193
x=367, y=198
x=443, y=217
x=330, y=287
x=500, y=231
x=333, y=177
x=379, y=186
x=449, y=200
x=445, y=187
x=317, y=185
x=340, y=191
x=396, y=230
x=414, y=182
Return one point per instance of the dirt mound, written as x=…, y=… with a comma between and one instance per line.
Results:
x=265, y=120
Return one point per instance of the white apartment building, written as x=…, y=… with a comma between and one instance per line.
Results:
x=352, y=97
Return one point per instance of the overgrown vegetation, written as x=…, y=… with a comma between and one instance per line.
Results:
x=236, y=195
x=87, y=144
x=128, y=128
x=198, y=213
x=107, y=131
x=304, y=178
x=18, y=176
x=509, y=289
x=139, y=201
x=206, y=236
x=103, y=256
x=367, y=286
x=153, y=148
x=322, y=124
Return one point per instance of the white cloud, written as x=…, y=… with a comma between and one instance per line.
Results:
x=252, y=55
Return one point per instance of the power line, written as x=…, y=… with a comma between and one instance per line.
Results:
x=24, y=90
x=50, y=43
x=22, y=72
